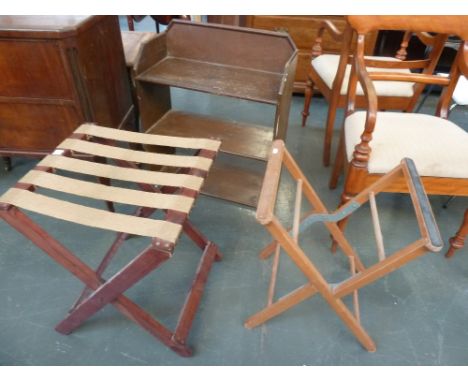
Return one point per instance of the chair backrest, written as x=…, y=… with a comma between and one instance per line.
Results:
x=442, y=25
x=348, y=38
x=455, y=25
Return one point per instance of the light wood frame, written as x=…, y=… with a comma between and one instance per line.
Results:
x=360, y=275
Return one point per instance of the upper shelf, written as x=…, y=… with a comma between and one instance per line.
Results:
x=254, y=85
x=218, y=59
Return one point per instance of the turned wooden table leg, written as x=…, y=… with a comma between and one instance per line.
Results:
x=458, y=240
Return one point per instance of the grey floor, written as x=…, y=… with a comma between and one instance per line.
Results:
x=417, y=315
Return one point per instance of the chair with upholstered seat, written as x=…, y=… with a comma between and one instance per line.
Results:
x=372, y=142
x=331, y=72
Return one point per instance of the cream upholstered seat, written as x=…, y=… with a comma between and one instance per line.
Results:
x=438, y=147
x=326, y=65
x=460, y=94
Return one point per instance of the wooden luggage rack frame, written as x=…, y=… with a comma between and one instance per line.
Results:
x=174, y=194
x=361, y=276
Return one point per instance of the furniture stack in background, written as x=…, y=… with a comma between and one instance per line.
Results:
x=58, y=72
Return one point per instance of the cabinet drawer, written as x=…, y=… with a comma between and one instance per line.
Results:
x=32, y=69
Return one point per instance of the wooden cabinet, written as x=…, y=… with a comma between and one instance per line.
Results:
x=225, y=61
x=56, y=73
x=303, y=31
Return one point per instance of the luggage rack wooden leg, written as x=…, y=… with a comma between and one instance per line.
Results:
x=360, y=276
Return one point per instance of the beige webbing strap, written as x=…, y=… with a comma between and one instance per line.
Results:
x=108, y=193
x=148, y=139
x=113, y=152
x=357, y=312
x=297, y=211
x=377, y=229
x=122, y=173
x=91, y=217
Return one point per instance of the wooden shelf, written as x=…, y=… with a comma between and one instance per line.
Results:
x=246, y=140
x=218, y=79
x=229, y=61
x=234, y=183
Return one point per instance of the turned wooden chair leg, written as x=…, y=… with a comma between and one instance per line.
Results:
x=331, y=117
x=458, y=240
x=308, y=93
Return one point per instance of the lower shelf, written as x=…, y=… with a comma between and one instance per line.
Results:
x=234, y=184
x=237, y=174
x=246, y=140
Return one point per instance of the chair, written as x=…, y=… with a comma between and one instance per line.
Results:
x=372, y=142
x=458, y=241
x=174, y=196
x=287, y=239
x=460, y=94
x=330, y=73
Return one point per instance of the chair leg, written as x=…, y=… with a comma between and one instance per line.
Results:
x=331, y=117
x=131, y=25
x=458, y=241
x=308, y=93
x=338, y=165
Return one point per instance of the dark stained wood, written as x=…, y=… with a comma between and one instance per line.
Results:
x=48, y=27
x=234, y=184
x=221, y=60
x=193, y=299
x=132, y=43
x=99, y=292
x=242, y=139
x=230, y=45
x=30, y=126
x=212, y=78
x=57, y=72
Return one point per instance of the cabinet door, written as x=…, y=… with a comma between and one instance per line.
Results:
x=33, y=69
x=35, y=127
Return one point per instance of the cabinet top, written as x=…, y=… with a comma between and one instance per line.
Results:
x=44, y=26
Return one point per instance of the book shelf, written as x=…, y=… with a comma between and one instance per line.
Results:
x=228, y=61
